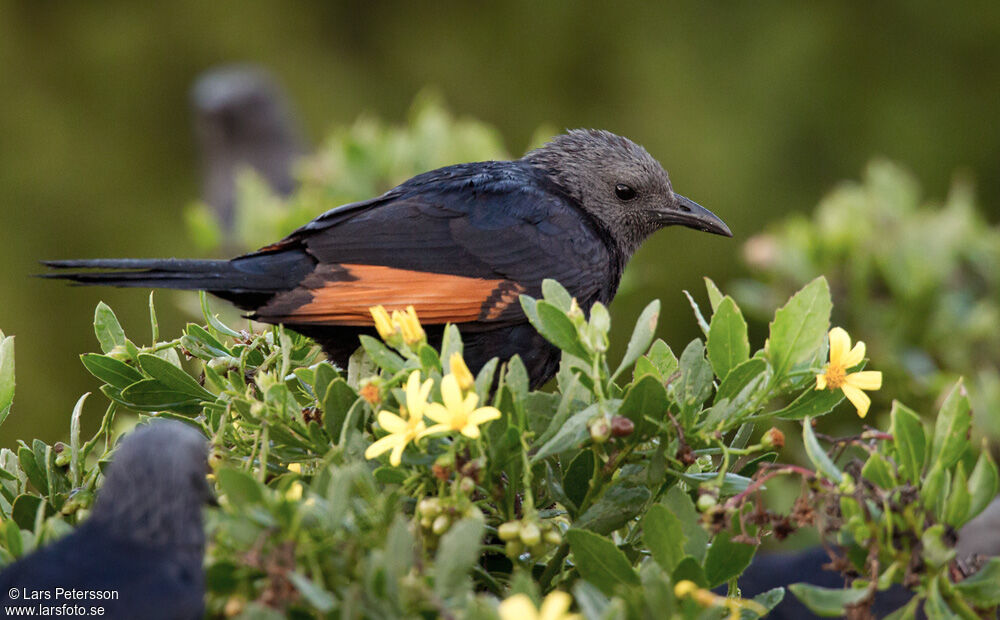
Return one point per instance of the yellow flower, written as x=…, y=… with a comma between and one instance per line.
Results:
x=408, y=323
x=457, y=413
x=835, y=375
x=554, y=607
x=461, y=371
x=295, y=467
x=383, y=324
x=406, y=427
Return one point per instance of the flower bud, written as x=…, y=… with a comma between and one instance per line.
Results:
x=409, y=326
x=773, y=438
x=509, y=531
x=383, y=324
x=513, y=549
x=466, y=485
x=530, y=534
x=600, y=430
x=553, y=537
x=622, y=426
x=429, y=507
x=706, y=502
x=684, y=588
x=461, y=372
x=441, y=524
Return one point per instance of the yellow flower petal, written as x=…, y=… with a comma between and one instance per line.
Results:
x=383, y=445
x=858, y=398
x=383, y=324
x=854, y=357
x=517, y=607
x=438, y=413
x=840, y=343
x=397, y=453
x=471, y=431
x=484, y=414
x=416, y=395
x=865, y=380
x=821, y=381
x=437, y=429
x=451, y=395
x=461, y=371
x=391, y=423
x=555, y=606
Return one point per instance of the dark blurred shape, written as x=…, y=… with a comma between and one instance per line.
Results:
x=783, y=569
x=144, y=539
x=243, y=119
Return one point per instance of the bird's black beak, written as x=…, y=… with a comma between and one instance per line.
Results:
x=687, y=212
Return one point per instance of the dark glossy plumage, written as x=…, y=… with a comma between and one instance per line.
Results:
x=459, y=243
x=144, y=539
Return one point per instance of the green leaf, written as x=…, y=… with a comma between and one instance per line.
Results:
x=714, y=294
x=384, y=358
x=553, y=324
x=699, y=317
x=696, y=538
x=24, y=510
x=457, y=554
x=829, y=602
x=799, y=328
x=877, y=470
x=935, y=489
x=817, y=455
x=570, y=434
x=689, y=568
x=935, y=606
x=982, y=588
x=727, y=346
x=646, y=397
x=323, y=377
x=959, y=500
x=616, y=507
x=770, y=599
x=726, y=559
x=6, y=375
x=212, y=320
x=951, y=430
x=33, y=470
x=336, y=404
x=151, y=395
x=739, y=377
x=662, y=358
x=173, y=377
x=695, y=383
x=936, y=551
x=663, y=535
x=107, y=328
x=555, y=294
x=642, y=335
x=908, y=440
x=109, y=370
x=983, y=483
x=600, y=561
x=315, y=594
x=811, y=403
x=239, y=488
x=576, y=481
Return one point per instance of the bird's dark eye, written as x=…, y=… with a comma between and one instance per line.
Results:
x=624, y=192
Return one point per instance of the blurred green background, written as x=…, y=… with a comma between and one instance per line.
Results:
x=756, y=109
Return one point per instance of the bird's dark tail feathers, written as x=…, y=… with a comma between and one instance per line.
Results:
x=247, y=281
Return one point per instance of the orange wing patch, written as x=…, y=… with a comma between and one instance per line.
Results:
x=342, y=295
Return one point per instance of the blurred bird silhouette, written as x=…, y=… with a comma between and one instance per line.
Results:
x=243, y=119
x=459, y=244
x=143, y=540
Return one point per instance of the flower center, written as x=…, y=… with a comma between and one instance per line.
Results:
x=836, y=376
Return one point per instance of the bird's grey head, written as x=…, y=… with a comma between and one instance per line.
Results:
x=621, y=184
x=156, y=487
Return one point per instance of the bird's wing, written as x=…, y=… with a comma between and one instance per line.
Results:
x=459, y=248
